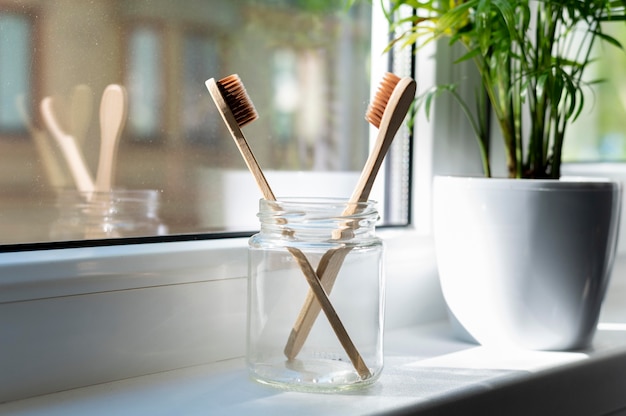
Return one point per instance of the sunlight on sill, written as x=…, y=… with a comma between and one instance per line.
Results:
x=612, y=326
x=510, y=359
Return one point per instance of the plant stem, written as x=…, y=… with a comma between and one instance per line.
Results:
x=479, y=132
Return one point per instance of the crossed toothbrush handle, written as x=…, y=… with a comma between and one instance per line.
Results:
x=312, y=278
x=324, y=303
x=394, y=112
x=327, y=271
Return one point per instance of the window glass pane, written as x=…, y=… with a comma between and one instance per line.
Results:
x=306, y=65
x=15, y=55
x=144, y=82
x=599, y=134
x=201, y=57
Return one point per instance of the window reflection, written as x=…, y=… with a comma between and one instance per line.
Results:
x=304, y=64
x=145, y=82
x=15, y=57
x=201, y=57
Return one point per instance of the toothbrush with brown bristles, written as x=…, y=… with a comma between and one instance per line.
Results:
x=237, y=110
x=386, y=112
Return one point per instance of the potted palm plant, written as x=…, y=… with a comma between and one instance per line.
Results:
x=523, y=260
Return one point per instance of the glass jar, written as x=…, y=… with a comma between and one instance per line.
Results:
x=315, y=295
x=118, y=213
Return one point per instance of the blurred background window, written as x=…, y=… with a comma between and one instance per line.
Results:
x=599, y=134
x=306, y=64
x=15, y=58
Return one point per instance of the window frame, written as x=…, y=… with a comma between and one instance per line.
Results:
x=425, y=156
x=67, y=252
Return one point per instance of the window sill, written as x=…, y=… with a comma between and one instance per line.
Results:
x=426, y=372
x=79, y=317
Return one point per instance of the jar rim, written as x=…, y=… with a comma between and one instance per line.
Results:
x=317, y=201
x=317, y=218
x=312, y=208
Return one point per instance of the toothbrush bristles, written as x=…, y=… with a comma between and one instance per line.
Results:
x=237, y=99
x=374, y=114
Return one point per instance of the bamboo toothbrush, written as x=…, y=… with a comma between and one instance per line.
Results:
x=69, y=148
x=113, y=112
x=386, y=112
x=237, y=110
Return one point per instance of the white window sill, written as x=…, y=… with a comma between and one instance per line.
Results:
x=426, y=372
x=79, y=317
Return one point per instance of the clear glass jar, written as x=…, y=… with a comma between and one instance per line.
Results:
x=313, y=348
x=118, y=213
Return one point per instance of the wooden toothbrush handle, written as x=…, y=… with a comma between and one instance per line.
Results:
x=240, y=140
x=399, y=102
x=327, y=270
x=396, y=109
x=325, y=304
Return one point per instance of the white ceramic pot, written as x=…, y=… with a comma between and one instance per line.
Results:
x=526, y=263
